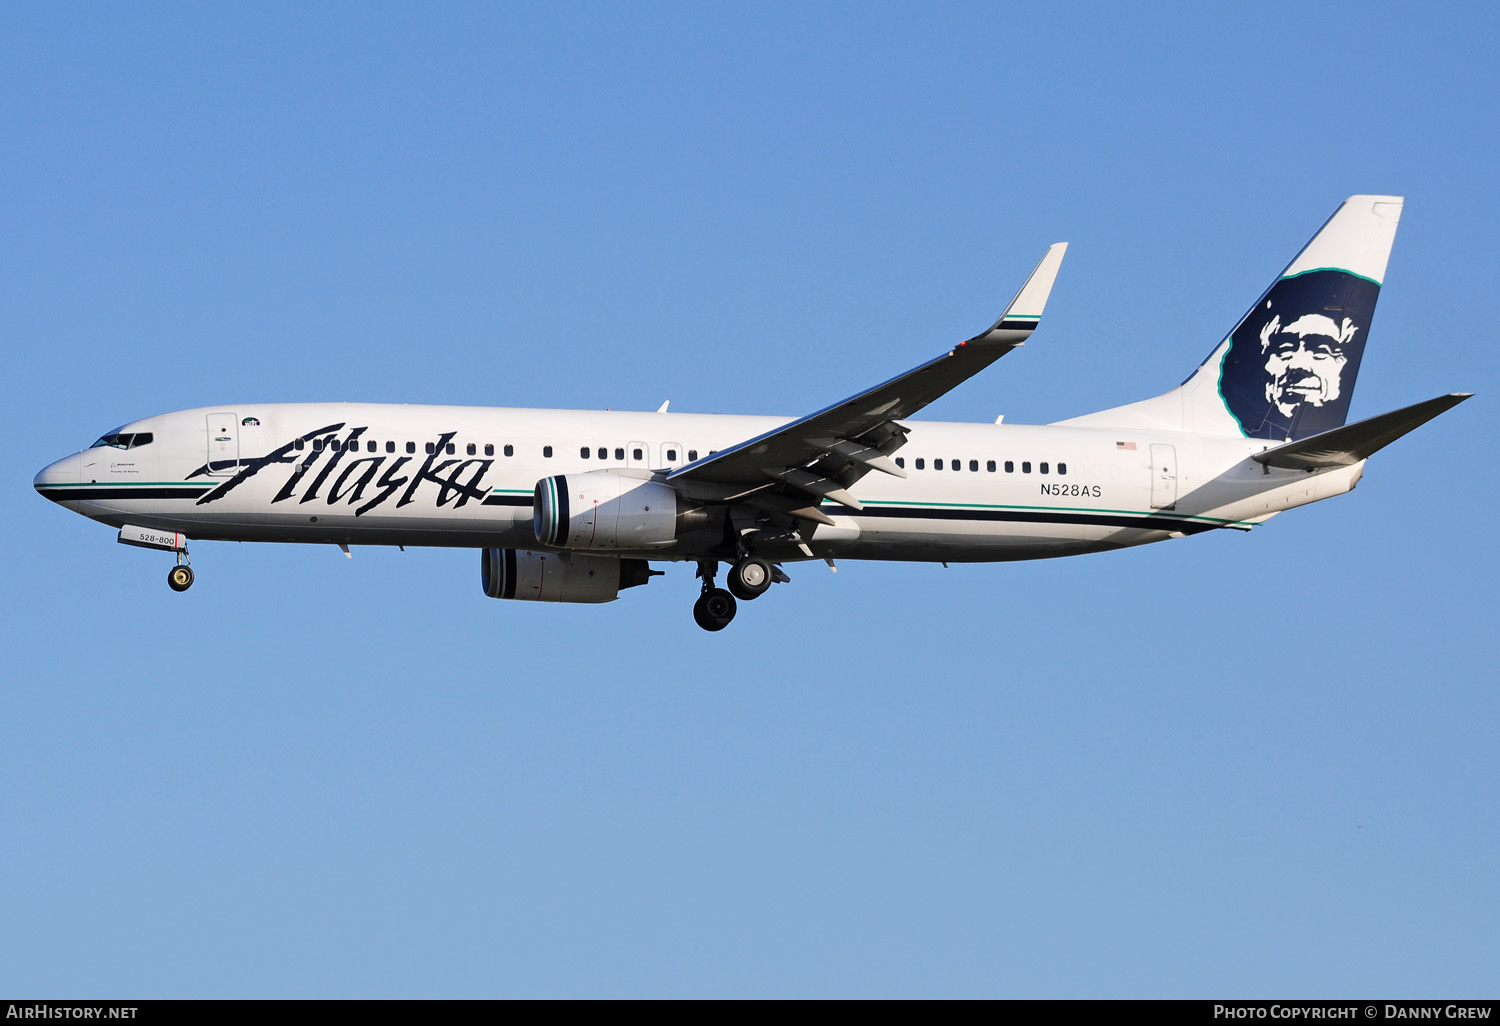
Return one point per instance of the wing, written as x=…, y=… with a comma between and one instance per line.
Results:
x=789, y=471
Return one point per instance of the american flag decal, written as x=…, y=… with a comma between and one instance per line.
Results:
x=1125, y=445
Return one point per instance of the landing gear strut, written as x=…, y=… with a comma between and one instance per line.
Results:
x=180, y=577
x=715, y=607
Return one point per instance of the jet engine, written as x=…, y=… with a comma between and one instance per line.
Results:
x=558, y=577
x=610, y=509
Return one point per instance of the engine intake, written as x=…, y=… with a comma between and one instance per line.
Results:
x=558, y=577
x=610, y=509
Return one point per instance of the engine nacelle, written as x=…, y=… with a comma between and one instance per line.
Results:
x=558, y=577
x=608, y=509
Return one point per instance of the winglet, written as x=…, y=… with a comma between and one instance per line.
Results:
x=1025, y=310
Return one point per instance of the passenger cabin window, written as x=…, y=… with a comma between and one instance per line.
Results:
x=411, y=446
x=637, y=454
x=489, y=448
x=451, y=448
x=619, y=453
x=510, y=450
x=692, y=455
x=1025, y=467
x=317, y=445
x=390, y=446
x=298, y=445
x=603, y=453
x=1010, y=467
x=583, y=453
x=471, y=449
x=901, y=462
x=671, y=455
x=1062, y=468
x=958, y=464
x=431, y=448
x=937, y=464
x=370, y=447
x=546, y=452
x=921, y=463
x=990, y=466
x=1042, y=467
x=973, y=464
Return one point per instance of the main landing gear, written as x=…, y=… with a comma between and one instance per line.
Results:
x=749, y=579
x=714, y=609
x=180, y=577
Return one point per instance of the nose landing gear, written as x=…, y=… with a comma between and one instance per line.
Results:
x=180, y=577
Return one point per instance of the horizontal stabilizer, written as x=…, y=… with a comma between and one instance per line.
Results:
x=1347, y=445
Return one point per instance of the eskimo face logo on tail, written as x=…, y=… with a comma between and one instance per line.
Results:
x=1290, y=369
x=1304, y=360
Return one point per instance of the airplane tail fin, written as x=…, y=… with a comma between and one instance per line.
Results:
x=1287, y=370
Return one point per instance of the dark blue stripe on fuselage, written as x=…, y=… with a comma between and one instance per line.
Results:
x=104, y=492
x=1154, y=522
x=1016, y=516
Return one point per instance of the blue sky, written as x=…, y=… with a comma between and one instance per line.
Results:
x=1240, y=766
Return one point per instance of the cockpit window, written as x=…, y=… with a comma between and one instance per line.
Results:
x=124, y=440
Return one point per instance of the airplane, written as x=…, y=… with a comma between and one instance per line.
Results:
x=574, y=506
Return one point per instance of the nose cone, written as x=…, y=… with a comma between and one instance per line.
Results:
x=56, y=480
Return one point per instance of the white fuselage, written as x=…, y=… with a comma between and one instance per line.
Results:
x=363, y=475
